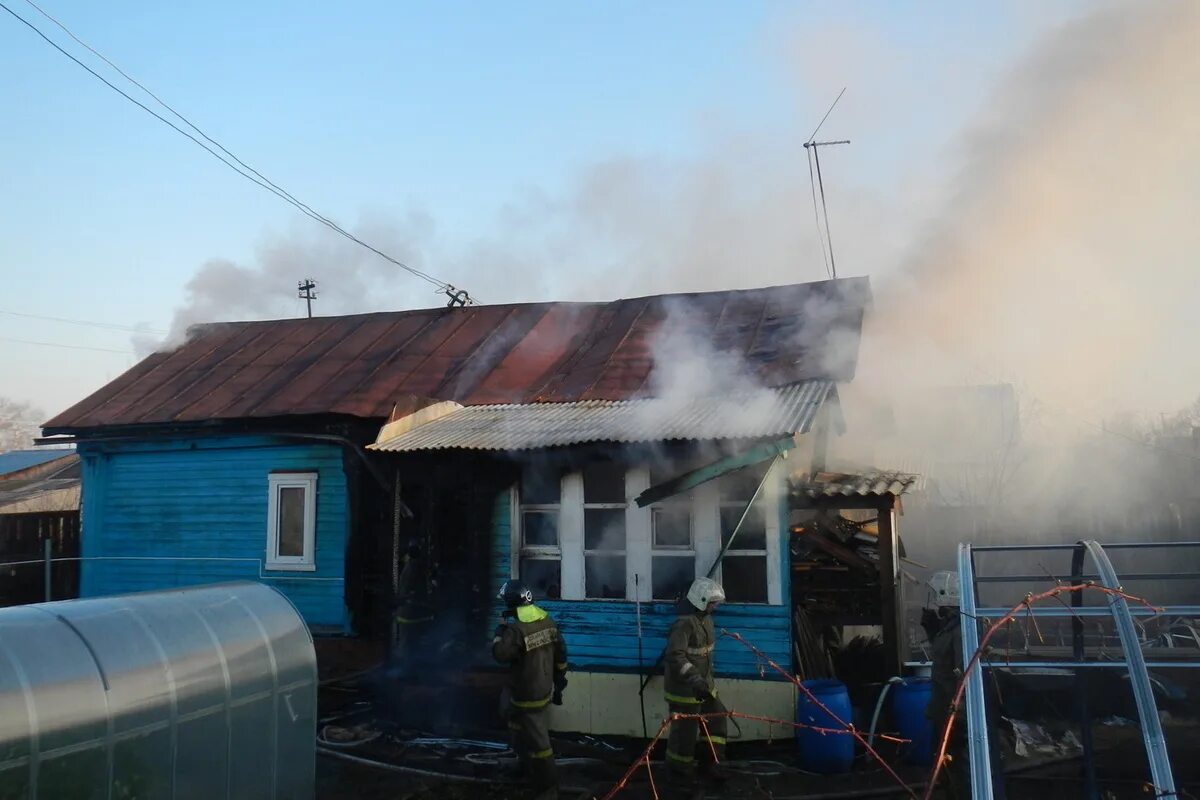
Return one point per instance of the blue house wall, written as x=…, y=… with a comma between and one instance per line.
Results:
x=179, y=512
x=602, y=635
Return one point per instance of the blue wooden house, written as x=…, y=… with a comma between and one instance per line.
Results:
x=606, y=453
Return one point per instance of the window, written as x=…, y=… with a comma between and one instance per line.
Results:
x=292, y=521
x=604, y=530
x=577, y=536
x=744, y=567
x=540, y=564
x=673, y=550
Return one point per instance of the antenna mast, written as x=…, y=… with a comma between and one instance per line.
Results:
x=812, y=148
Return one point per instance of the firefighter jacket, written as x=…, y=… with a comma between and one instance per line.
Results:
x=946, y=646
x=689, y=658
x=536, y=654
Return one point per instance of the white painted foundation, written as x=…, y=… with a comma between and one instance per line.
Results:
x=607, y=704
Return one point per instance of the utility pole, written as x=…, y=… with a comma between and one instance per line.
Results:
x=814, y=145
x=306, y=288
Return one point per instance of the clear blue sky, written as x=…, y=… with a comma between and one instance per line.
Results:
x=375, y=108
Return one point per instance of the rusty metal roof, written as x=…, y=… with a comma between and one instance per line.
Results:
x=363, y=365
x=766, y=412
x=873, y=483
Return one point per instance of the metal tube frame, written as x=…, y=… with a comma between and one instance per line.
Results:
x=1123, y=618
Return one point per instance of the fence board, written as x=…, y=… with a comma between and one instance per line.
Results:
x=21, y=537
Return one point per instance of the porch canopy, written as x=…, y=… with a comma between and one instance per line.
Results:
x=752, y=414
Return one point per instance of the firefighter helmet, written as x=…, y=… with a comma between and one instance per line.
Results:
x=704, y=591
x=515, y=593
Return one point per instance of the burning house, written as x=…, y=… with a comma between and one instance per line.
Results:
x=606, y=453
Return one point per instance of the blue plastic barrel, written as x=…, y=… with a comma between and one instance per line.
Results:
x=910, y=698
x=826, y=753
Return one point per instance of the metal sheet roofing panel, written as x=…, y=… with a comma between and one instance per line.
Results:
x=871, y=483
x=359, y=365
x=753, y=414
x=18, y=460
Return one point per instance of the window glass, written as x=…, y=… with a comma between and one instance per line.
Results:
x=672, y=527
x=291, y=521
x=604, y=576
x=744, y=578
x=672, y=575
x=541, y=485
x=604, y=529
x=539, y=528
x=753, y=533
x=741, y=485
x=604, y=482
x=542, y=575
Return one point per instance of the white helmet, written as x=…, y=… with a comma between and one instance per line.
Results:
x=704, y=591
x=944, y=586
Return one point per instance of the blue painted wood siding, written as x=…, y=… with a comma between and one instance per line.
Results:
x=153, y=512
x=602, y=634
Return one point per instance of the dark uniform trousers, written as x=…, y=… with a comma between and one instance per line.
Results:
x=529, y=733
x=684, y=733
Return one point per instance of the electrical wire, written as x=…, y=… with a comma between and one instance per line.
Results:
x=112, y=326
x=67, y=346
x=236, y=164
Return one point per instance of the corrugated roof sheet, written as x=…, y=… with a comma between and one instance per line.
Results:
x=767, y=412
x=362, y=365
x=865, y=484
x=17, y=460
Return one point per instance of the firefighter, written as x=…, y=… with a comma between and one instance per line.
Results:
x=413, y=617
x=943, y=625
x=690, y=688
x=531, y=645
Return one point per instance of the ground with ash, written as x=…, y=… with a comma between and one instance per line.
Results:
x=354, y=727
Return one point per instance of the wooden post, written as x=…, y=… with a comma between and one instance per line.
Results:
x=895, y=638
x=47, y=550
x=820, y=453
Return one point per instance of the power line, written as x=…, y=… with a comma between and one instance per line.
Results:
x=112, y=326
x=236, y=164
x=66, y=346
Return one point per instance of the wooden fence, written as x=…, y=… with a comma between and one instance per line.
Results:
x=21, y=539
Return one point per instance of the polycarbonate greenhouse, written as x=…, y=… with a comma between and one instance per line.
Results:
x=198, y=693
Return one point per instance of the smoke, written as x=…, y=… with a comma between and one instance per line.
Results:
x=1064, y=259
x=1048, y=247
x=688, y=365
x=350, y=278
x=1061, y=267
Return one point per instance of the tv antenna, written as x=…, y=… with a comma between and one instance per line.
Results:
x=306, y=288
x=812, y=148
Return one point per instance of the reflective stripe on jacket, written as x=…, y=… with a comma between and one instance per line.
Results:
x=535, y=651
x=688, y=656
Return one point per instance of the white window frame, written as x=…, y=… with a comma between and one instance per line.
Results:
x=767, y=507
x=277, y=481
x=705, y=505
x=672, y=551
x=623, y=553
x=535, y=552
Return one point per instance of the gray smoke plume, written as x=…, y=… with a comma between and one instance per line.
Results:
x=350, y=278
x=1065, y=257
x=1057, y=254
